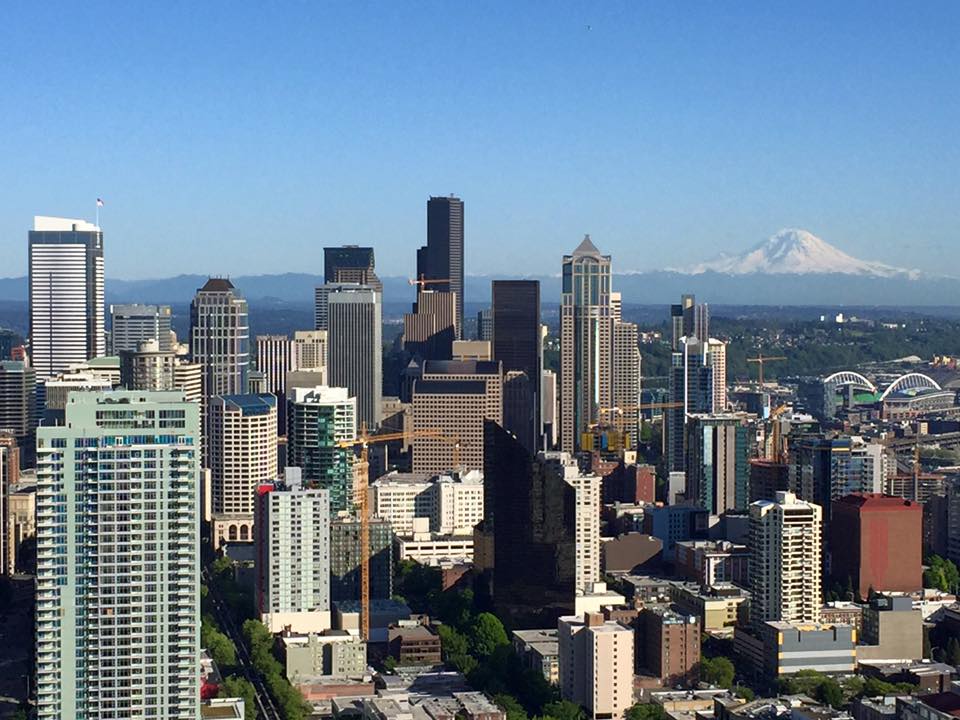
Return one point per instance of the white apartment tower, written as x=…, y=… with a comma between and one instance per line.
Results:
x=66, y=294
x=785, y=560
x=625, y=393
x=717, y=361
x=118, y=567
x=596, y=660
x=292, y=539
x=242, y=455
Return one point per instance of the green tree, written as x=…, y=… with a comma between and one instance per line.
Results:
x=742, y=691
x=830, y=693
x=717, y=671
x=452, y=642
x=222, y=649
x=563, y=710
x=239, y=687
x=486, y=635
x=647, y=711
x=511, y=706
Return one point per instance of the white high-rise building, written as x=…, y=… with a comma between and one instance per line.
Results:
x=220, y=337
x=118, y=566
x=858, y=467
x=596, y=664
x=131, y=325
x=66, y=294
x=625, y=393
x=292, y=537
x=717, y=361
x=785, y=561
x=242, y=455
x=274, y=360
x=453, y=504
x=309, y=350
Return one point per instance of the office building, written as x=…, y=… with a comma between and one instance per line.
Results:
x=596, y=662
x=351, y=264
x=20, y=527
x=220, y=338
x=543, y=516
x=317, y=419
x=452, y=399
x=329, y=654
x=691, y=385
x=673, y=523
x=539, y=650
x=117, y=604
x=785, y=564
x=520, y=408
x=274, y=360
x=550, y=409
x=668, y=646
x=309, y=351
x=355, y=349
x=451, y=503
x=856, y=466
x=585, y=341
x=18, y=404
x=431, y=329
x=131, y=325
x=892, y=629
x=66, y=294
x=713, y=562
x=242, y=455
x=717, y=361
x=149, y=368
x=345, y=559
x=292, y=546
x=876, y=543
x=625, y=376
x=789, y=648
x=517, y=346
x=718, y=450
x=442, y=257
x=485, y=324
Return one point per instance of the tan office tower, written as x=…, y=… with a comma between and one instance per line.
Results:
x=717, y=360
x=274, y=360
x=625, y=392
x=429, y=331
x=596, y=659
x=454, y=397
x=310, y=350
x=785, y=561
x=150, y=368
x=585, y=334
x=242, y=455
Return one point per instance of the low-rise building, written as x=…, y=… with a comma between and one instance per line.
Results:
x=414, y=644
x=786, y=648
x=668, y=646
x=435, y=549
x=383, y=614
x=332, y=653
x=892, y=629
x=537, y=650
x=842, y=612
x=718, y=607
x=223, y=709
x=596, y=664
x=713, y=562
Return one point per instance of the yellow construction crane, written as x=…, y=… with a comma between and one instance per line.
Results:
x=362, y=501
x=760, y=359
x=777, y=453
x=618, y=414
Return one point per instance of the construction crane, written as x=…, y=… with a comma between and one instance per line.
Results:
x=760, y=359
x=362, y=500
x=619, y=413
x=777, y=453
x=423, y=282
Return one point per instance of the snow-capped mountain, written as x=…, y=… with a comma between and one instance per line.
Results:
x=797, y=252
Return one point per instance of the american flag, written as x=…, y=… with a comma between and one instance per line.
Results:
x=99, y=202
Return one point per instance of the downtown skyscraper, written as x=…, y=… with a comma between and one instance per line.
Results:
x=220, y=337
x=586, y=326
x=66, y=294
x=355, y=355
x=442, y=257
x=118, y=566
x=517, y=346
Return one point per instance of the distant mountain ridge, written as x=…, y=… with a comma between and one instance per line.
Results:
x=796, y=252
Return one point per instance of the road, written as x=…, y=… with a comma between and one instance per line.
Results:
x=266, y=709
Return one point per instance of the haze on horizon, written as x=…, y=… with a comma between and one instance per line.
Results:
x=241, y=139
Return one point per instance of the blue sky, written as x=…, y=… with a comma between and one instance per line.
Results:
x=238, y=138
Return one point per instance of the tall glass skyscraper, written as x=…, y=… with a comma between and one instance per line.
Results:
x=118, y=500
x=516, y=341
x=66, y=294
x=585, y=341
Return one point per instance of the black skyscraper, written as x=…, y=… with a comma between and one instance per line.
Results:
x=516, y=342
x=442, y=257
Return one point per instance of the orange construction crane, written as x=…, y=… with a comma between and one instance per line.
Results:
x=423, y=282
x=760, y=359
x=361, y=478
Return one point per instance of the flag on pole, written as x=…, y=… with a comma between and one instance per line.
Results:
x=99, y=202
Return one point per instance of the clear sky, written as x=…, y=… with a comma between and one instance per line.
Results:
x=234, y=138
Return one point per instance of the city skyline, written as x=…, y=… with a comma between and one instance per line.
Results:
x=646, y=127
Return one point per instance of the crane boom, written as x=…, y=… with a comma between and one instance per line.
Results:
x=760, y=359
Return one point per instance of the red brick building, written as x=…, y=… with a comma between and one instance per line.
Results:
x=877, y=541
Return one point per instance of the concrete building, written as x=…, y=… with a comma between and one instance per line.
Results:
x=713, y=562
x=147, y=367
x=431, y=329
x=673, y=523
x=790, y=648
x=331, y=653
x=876, y=543
x=351, y=264
x=19, y=527
x=292, y=546
x=717, y=362
x=309, y=351
x=452, y=503
x=691, y=385
x=66, y=294
x=892, y=629
x=625, y=380
x=411, y=643
x=220, y=338
x=539, y=650
x=354, y=348
x=856, y=466
x=18, y=405
x=719, y=607
x=586, y=327
x=785, y=561
x=668, y=646
x=242, y=456
x=718, y=451
x=435, y=549
x=345, y=559
x=596, y=662
x=117, y=607
x=131, y=325
x=452, y=400
x=319, y=418
x=274, y=360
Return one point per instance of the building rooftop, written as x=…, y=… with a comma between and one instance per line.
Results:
x=450, y=387
x=945, y=702
x=252, y=404
x=217, y=285
x=879, y=501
